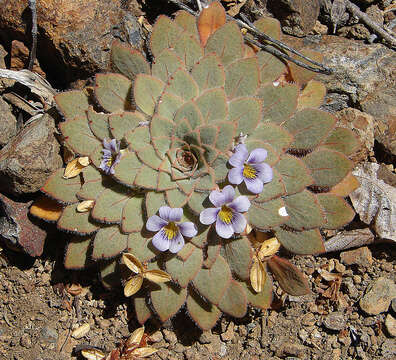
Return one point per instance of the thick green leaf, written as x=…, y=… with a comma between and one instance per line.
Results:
x=238, y=253
x=153, y=201
x=336, y=210
x=213, y=248
x=213, y=105
x=227, y=43
x=109, y=242
x=183, y=271
x=113, y=92
x=304, y=211
x=132, y=215
x=266, y=215
x=128, y=61
x=165, y=64
x=234, y=301
x=72, y=104
x=190, y=114
x=98, y=123
x=168, y=104
x=138, y=138
x=300, y=75
x=227, y=133
x=289, y=277
x=242, y=78
x=143, y=312
x=146, y=91
x=271, y=67
x=309, y=127
x=94, y=183
x=301, y=242
x=263, y=299
x=141, y=246
x=124, y=122
x=273, y=189
x=201, y=239
x=188, y=22
x=165, y=34
x=209, y=73
x=78, y=136
x=204, y=314
x=126, y=170
x=149, y=157
x=246, y=112
x=342, y=140
x=60, y=189
x=182, y=84
x=328, y=167
x=76, y=222
x=269, y=26
x=272, y=156
x=212, y=283
x=294, y=173
x=110, y=274
x=279, y=102
x=273, y=134
x=167, y=299
x=76, y=256
x=109, y=204
x=147, y=178
x=312, y=96
x=175, y=198
x=189, y=49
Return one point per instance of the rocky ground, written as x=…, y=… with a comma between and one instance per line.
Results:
x=351, y=313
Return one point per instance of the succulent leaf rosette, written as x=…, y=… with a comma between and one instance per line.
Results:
x=194, y=157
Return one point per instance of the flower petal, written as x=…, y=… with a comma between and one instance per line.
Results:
x=176, y=214
x=229, y=193
x=188, y=229
x=257, y=156
x=238, y=222
x=235, y=175
x=255, y=186
x=114, y=146
x=264, y=172
x=164, y=212
x=106, y=153
x=240, y=204
x=224, y=230
x=217, y=198
x=176, y=244
x=160, y=241
x=155, y=223
x=240, y=155
x=208, y=216
x=106, y=144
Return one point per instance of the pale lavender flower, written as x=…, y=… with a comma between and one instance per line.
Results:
x=250, y=168
x=227, y=212
x=111, y=155
x=169, y=234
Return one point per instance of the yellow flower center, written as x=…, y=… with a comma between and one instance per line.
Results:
x=225, y=214
x=171, y=230
x=249, y=171
x=111, y=160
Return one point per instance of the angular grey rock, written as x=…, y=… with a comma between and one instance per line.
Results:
x=28, y=160
x=335, y=321
x=378, y=296
x=8, y=123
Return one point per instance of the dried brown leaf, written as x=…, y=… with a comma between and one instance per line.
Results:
x=268, y=248
x=81, y=331
x=85, y=206
x=144, y=352
x=258, y=275
x=133, y=285
x=135, y=338
x=133, y=263
x=157, y=276
x=93, y=354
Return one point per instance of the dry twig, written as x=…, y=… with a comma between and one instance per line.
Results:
x=32, y=55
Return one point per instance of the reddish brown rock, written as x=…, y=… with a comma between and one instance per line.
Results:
x=361, y=256
x=20, y=58
x=30, y=157
x=298, y=17
x=74, y=35
x=18, y=229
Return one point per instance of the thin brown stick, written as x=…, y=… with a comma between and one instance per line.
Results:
x=378, y=29
x=33, y=50
x=269, y=48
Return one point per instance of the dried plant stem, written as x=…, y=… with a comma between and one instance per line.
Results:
x=378, y=29
x=33, y=50
x=271, y=49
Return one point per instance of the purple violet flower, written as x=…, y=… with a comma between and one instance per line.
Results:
x=250, y=168
x=111, y=155
x=227, y=212
x=169, y=235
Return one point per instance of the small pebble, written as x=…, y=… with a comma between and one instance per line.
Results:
x=378, y=296
x=390, y=324
x=335, y=321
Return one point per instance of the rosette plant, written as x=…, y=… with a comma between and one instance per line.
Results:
x=210, y=123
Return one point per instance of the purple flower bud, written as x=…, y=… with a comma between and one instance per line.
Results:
x=111, y=155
